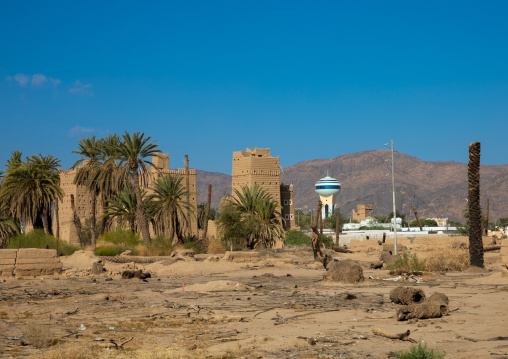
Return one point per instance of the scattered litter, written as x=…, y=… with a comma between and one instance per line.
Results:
x=82, y=327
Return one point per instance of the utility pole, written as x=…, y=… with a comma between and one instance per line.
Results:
x=394, y=208
x=487, y=223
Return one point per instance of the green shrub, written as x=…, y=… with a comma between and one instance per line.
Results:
x=121, y=237
x=38, y=239
x=192, y=245
x=373, y=227
x=409, y=262
x=328, y=241
x=108, y=251
x=420, y=352
x=297, y=238
x=159, y=246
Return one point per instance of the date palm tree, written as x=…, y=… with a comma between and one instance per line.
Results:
x=270, y=227
x=105, y=176
x=169, y=207
x=260, y=216
x=89, y=149
x=31, y=187
x=131, y=152
x=123, y=207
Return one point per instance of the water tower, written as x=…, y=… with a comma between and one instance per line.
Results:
x=327, y=188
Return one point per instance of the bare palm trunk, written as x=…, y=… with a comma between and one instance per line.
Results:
x=187, y=188
x=45, y=220
x=320, y=223
x=104, y=220
x=76, y=221
x=93, y=219
x=417, y=218
x=337, y=229
x=207, y=214
x=317, y=243
x=57, y=219
x=475, y=217
x=141, y=209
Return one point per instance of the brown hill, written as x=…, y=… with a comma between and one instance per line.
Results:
x=436, y=189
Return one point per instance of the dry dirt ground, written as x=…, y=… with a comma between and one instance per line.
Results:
x=277, y=307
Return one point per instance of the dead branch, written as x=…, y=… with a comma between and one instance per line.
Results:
x=389, y=335
x=72, y=312
x=284, y=320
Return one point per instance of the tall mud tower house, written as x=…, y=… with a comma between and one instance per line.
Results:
x=256, y=166
x=83, y=200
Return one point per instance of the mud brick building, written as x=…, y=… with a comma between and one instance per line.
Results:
x=257, y=166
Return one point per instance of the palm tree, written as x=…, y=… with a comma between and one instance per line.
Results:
x=169, y=207
x=105, y=176
x=123, y=208
x=270, y=228
x=29, y=188
x=89, y=150
x=260, y=216
x=474, y=211
x=246, y=200
x=131, y=153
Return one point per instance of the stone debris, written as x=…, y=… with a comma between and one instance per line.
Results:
x=29, y=262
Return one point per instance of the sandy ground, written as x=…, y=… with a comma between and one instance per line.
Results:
x=271, y=308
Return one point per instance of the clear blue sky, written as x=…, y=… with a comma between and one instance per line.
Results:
x=313, y=79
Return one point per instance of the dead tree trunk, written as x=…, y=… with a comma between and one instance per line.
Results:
x=317, y=244
x=320, y=223
x=57, y=219
x=207, y=213
x=487, y=221
x=417, y=218
x=475, y=216
x=337, y=229
x=187, y=188
x=76, y=221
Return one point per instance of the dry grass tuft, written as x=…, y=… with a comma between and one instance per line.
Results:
x=215, y=247
x=74, y=351
x=37, y=335
x=448, y=257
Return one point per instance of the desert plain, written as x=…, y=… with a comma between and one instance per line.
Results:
x=266, y=304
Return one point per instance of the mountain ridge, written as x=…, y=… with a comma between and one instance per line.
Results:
x=435, y=188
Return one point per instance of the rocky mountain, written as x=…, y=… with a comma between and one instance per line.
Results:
x=436, y=189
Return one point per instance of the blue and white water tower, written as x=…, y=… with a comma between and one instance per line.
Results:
x=328, y=188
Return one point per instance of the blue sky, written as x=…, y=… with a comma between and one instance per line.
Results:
x=313, y=79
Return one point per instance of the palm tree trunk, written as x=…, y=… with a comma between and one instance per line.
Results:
x=320, y=223
x=417, y=218
x=104, y=220
x=187, y=188
x=317, y=244
x=337, y=229
x=45, y=220
x=141, y=209
x=76, y=221
x=57, y=219
x=207, y=213
x=93, y=219
x=475, y=217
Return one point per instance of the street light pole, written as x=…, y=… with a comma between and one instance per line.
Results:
x=394, y=208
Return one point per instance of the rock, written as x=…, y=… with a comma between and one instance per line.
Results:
x=407, y=295
x=97, y=268
x=346, y=271
x=182, y=252
x=424, y=310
